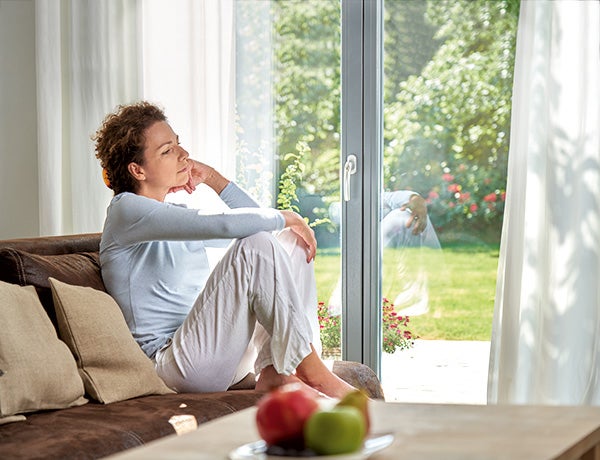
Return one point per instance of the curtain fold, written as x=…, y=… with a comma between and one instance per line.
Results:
x=188, y=60
x=94, y=55
x=546, y=332
x=86, y=65
x=49, y=121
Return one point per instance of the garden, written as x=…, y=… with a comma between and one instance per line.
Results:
x=446, y=124
x=461, y=288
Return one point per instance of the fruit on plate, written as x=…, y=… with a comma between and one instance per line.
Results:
x=339, y=430
x=282, y=414
x=360, y=400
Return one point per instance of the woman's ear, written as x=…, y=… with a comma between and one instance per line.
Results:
x=136, y=171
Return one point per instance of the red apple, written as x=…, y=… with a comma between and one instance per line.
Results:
x=282, y=413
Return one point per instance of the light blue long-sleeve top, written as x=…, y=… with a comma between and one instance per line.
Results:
x=153, y=256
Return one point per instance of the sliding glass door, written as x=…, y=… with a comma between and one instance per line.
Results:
x=299, y=149
x=426, y=114
x=364, y=115
x=447, y=86
x=288, y=105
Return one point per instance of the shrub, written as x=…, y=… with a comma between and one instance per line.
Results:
x=396, y=334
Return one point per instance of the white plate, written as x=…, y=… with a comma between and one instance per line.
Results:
x=257, y=450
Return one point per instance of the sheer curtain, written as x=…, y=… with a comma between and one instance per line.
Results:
x=94, y=55
x=546, y=334
x=86, y=64
x=188, y=62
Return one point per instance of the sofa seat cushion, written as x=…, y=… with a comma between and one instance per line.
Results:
x=97, y=430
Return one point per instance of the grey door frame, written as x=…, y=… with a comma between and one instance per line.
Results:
x=362, y=127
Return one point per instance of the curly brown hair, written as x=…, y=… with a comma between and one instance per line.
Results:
x=120, y=140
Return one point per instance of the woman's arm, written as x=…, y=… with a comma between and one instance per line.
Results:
x=134, y=219
x=234, y=196
x=231, y=194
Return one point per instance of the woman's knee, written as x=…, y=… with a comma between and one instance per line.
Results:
x=283, y=246
x=261, y=241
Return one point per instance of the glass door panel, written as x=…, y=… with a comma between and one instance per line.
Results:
x=288, y=94
x=446, y=121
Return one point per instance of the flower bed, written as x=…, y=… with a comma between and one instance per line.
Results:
x=395, y=332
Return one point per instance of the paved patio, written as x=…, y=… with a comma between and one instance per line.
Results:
x=437, y=371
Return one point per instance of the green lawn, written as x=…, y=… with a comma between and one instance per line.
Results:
x=461, y=286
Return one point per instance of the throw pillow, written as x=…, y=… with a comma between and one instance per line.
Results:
x=12, y=419
x=24, y=268
x=37, y=370
x=112, y=365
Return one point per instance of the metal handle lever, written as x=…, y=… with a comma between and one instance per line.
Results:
x=349, y=169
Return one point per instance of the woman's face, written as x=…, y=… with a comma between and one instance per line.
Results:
x=165, y=162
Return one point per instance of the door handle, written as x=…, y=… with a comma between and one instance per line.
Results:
x=349, y=170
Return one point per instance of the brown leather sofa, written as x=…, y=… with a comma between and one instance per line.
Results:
x=96, y=430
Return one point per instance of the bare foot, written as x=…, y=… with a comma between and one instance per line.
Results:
x=313, y=371
x=269, y=379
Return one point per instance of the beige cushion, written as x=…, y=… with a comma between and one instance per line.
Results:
x=37, y=370
x=112, y=365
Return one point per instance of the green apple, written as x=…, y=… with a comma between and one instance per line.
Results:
x=338, y=430
x=360, y=400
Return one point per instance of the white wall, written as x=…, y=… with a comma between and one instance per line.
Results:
x=19, y=200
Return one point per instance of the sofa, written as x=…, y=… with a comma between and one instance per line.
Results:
x=101, y=395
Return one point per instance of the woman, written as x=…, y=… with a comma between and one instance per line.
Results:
x=200, y=326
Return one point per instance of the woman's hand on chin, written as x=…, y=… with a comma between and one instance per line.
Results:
x=201, y=173
x=188, y=187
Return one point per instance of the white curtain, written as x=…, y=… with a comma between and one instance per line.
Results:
x=188, y=62
x=86, y=65
x=546, y=334
x=94, y=55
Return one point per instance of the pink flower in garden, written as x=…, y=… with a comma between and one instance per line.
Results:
x=463, y=197
x=433, y=195
x=490, y=197
x=503, y=196
x=453, y=188
x=473, y=207
x=447, y=177
x=451, y=204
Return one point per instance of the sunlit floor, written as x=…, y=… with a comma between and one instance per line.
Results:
x=437, y=371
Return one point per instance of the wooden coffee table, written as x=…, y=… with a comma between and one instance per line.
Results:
x=422, y=431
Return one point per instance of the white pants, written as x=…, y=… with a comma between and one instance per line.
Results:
x=258, y=308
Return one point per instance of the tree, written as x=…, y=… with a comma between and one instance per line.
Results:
x=448, y=84
x=307, y=87
x=409, y=43
x=447, y=132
